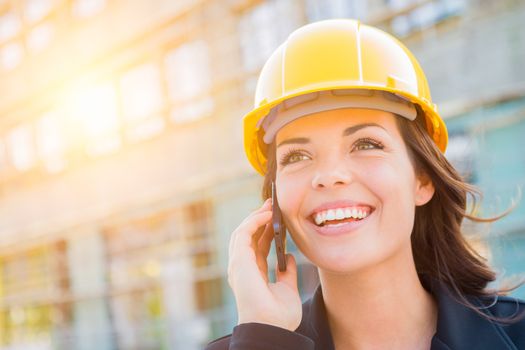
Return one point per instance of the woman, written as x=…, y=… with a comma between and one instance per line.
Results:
x=345, y=128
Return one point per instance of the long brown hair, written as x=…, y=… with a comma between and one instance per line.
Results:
x=440, y=249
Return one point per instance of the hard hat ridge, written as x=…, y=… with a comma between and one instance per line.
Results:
x=319, y=101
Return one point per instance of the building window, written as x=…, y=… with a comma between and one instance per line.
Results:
x=40, y=37
x=317, y=10
x=423, y=16
x=263, y=28
x=198, y=216
x=12, y=55
x=4, y=164
x=138, y=318
x=162, y=268
x=30, y=281
x=50, y=142
x=10, y=26
x=95, y=110
x=36, y=10
x=11, y=51
x=142, y=101
x=87, y=8
x=208, y=294
x=189, y=81
x=461, y=152
x=21, y=147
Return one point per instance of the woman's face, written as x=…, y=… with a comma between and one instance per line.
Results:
x=347, y=188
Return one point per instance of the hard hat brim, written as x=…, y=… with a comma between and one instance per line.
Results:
x=253, y=132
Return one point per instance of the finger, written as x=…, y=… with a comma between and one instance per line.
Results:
x=244, y=253
x=244, y=233
x=242, y=264
x=257, y=236
x=265, y=242
x=265, y=206
x=289, y=277
x=248, y=228
x=262, y=252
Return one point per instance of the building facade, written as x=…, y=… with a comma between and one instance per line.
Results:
x=122, y=172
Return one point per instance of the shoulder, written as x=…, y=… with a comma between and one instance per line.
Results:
x=477, y=322
x=512, y=312
x=509, y=308
x=507, y=303
x=250, y=335
x=220, y=343
x=255, y=336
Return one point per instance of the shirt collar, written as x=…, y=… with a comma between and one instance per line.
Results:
x=458, y=327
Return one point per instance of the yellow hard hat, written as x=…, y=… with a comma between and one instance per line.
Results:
x=337, y=55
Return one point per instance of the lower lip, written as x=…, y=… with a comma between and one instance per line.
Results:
x=339, y=229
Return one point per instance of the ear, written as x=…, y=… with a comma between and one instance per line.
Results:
x=424, y=189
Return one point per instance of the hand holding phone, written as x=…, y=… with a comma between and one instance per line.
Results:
x=279, y=231
x=259, y=299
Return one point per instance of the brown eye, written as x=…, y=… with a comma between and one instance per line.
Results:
x=364, y=146
x=367, y=144
x=293, y=156
x=296, y=158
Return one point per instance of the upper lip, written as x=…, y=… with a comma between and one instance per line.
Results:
x=339, y=204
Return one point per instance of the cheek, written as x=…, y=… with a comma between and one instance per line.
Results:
x=389, y=182
x=290, y=194
x=394, y=187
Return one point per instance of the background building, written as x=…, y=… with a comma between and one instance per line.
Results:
x=122, y=171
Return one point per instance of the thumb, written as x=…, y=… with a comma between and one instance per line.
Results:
x=289, y=276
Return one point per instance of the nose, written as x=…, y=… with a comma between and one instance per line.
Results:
x=331, y=174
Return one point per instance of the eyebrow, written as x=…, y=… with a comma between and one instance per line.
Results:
x=348, y=131
x=355, y=128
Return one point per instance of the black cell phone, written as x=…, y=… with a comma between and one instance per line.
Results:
x=279, y=231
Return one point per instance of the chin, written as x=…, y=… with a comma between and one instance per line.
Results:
x=341, y=262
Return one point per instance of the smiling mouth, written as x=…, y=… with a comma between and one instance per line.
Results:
x=340, y=216
x=335, y=222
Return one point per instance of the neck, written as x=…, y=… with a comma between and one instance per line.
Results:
x=384, y=307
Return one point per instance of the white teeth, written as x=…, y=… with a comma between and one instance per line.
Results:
x=330, y=215
x=339, y=214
